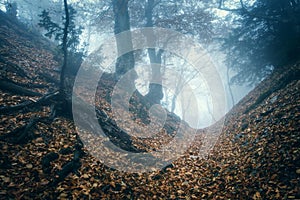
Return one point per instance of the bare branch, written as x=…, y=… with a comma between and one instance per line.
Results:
x=244, y=10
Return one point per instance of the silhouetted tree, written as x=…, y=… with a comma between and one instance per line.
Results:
x=155, y=93
x=186, y=17
x=65, y=49
x=266, y=35
x=125, y=62
x=56, y=31
x=11, y=9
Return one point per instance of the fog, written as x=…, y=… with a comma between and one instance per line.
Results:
x=98, y=26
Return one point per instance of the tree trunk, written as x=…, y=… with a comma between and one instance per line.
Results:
x=155, y=94
x=173, y=105
x=65, y=51
x=125, y=62
x=229, y=87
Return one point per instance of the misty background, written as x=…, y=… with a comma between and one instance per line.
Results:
x=219, y=26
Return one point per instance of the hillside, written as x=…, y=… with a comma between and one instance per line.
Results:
x=257, y=155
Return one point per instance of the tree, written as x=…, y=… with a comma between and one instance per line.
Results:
x=28, y=11
x=186, y=17
x=155, y=93
x=11, y=9
x=54, y=29
x=65, y=50
x=125, y=62
x=266, y=35
x=59, y=103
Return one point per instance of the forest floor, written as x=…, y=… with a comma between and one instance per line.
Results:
x=257, y=155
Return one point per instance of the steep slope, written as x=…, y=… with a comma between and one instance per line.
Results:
x=256, y=157
x=260, y=147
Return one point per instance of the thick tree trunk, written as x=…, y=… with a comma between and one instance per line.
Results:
x=155, y=93
x=125, y=62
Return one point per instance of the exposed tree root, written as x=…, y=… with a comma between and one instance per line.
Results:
x=25, y=85
x=49, y=79
x=47, y=99
x=11, y=87
x=24, y=133
x=14, y=68
x=63, y=107
x=70, y=167
x=46, y=161
x=60, y=106
x=108, y=125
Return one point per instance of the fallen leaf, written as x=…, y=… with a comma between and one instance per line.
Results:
x=29, y=166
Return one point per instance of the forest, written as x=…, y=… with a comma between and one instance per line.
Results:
x=149, y=99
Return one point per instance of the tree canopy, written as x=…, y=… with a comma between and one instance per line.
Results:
x=265, y=36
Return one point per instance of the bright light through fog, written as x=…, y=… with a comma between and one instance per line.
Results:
x=220, y=13
x=176, y=79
